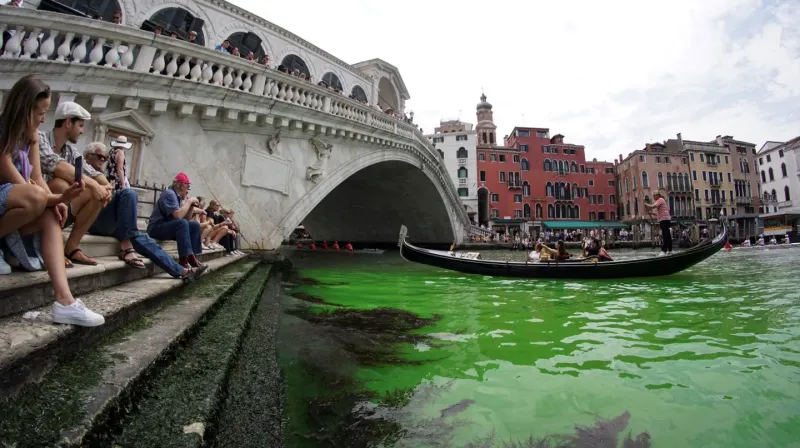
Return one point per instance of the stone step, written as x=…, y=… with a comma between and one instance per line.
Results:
x=23, y=291
x=30, y=347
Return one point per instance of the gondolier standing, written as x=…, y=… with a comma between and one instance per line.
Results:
x=664, y=220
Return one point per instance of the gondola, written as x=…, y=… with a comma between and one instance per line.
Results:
x=572, y=269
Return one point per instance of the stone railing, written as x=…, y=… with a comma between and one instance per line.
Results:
x=53, y=38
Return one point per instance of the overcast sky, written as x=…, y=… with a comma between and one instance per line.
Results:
x=610, y=75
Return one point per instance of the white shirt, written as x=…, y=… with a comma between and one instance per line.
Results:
x=534, y=256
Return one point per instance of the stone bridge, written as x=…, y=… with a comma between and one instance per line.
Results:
x=279, y=150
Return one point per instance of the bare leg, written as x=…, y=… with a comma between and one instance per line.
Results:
x=24, y=204
x=219, y=234
x=53, y=254
x=85, y=208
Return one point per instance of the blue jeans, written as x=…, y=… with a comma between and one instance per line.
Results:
x=185, y=233
x=118, y=220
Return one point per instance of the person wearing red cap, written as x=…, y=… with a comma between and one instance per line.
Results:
x=170, y=221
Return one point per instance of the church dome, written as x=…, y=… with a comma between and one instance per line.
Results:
x=483, y=104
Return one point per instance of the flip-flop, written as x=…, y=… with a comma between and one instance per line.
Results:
x=85, y=263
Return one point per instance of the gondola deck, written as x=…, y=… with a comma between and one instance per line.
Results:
x=573, y=269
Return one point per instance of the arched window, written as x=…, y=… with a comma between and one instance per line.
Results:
x=627, y=186
x=574, y=167
x=548, y=189
x=628, y=208
x=178, y=20
x=525, y=165
x=526, y=189
x=774, y=195
x=686, y=182
x=645, y=183
x=763, y=176
x=577, y=211
x=567, y=192
x=547, y=165
x=462, y=173
x=561, y=166
x=783, y=170
x=558, y=211
x=680, y=183
x=538, y=211
x=93, y=9
x=332, y=80
x=786, y=196
x=671, y=205
x=550, y=212
x=491, y=137
x=359, y=94
x=564, y=211
x=669, y=181
x=293, y=62
x=771, y=175
x=576, y=192
x=526, y=210
x=247, y=42
x=462, y=153
x=635, y=206
x=660, y=180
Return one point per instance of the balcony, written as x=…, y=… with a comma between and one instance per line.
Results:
x=743, y=200
x=462, y=182
x=784, y=204
x=514, y=185
x=462, y=162
x=715, y=184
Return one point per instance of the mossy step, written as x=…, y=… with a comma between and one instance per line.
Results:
x=23, y=291
x=180, y=402
x=91, y=388
x=30, y=347
x=253, y=410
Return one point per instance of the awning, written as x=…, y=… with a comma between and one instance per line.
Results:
x=569, y=225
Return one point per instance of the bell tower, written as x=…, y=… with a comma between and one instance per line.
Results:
x=487, y=131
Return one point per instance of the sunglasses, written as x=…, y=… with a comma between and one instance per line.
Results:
x=101, y=157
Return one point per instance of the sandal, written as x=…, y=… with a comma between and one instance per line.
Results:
x=188, y=276
x=134, y=262
x=71, y=258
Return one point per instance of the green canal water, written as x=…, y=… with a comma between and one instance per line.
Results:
x=706, y=358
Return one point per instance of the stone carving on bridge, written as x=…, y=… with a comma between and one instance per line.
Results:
x=272, y=142
x=317, y=169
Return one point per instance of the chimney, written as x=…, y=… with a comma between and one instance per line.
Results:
x=648, y=148
x=620, y=158
x=680, y=140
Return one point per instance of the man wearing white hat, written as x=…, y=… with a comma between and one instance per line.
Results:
x=57, y=157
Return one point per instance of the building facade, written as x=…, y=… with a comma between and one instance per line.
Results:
x=456, y=143
x=602, y=186
x=780, y=178
x=653, y=168
x=745, y=175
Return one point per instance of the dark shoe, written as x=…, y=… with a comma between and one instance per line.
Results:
x=198, y=271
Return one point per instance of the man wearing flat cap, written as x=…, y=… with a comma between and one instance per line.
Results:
x=58, y=152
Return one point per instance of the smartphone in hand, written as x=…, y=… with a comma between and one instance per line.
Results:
x=78, y=169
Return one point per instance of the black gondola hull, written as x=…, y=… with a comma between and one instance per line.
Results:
x=648, y=267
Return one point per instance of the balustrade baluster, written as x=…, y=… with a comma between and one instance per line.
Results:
x=267, y=88
x=64, y=49
x=302, y=100
x=185, y=68
x=97, y=51
x=32, y=43
x=3, y=28
x=172, y=67
x=281, y=91
x=79, y=52
x=112, y=56
x=159, y=63
x=274, y=89
x=14, y=45
x=126, y=60
x=208, y=73
x=247, y=84
x=314, y=101
x=48, y=46
x=197, y=70
x=290, y=92
x=228, y=80
x=217, y=78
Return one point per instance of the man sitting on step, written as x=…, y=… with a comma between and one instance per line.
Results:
x=118, y=220
x=57, y=152
x=170, y=221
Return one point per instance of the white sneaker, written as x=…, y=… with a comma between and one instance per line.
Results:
x=76, y=314
x=5, y=268
x=662, y=253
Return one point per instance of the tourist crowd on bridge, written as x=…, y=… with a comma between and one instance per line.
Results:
x=42, y=191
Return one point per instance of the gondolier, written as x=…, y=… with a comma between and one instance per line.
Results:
x=664, y=222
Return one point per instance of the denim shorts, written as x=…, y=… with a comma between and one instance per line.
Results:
x=4, y=189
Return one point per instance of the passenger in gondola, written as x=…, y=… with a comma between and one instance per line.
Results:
x=595, y=249
x=541, y=253
x=335, y=245
x=747, y=243
x=348, y=247
x=453, y=249
x=562, y=253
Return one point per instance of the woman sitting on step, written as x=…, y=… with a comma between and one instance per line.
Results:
x=29, y=212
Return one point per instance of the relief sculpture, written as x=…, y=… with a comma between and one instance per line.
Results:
x=317, y=169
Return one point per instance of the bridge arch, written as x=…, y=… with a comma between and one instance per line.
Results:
x=319, y=211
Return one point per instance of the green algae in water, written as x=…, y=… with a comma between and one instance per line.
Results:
x=707, y=357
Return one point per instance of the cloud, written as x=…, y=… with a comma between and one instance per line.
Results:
x=608, y=75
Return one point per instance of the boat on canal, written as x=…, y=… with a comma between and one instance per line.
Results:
x=576, y=268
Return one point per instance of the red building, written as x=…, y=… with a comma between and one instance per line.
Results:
x=536, y=178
